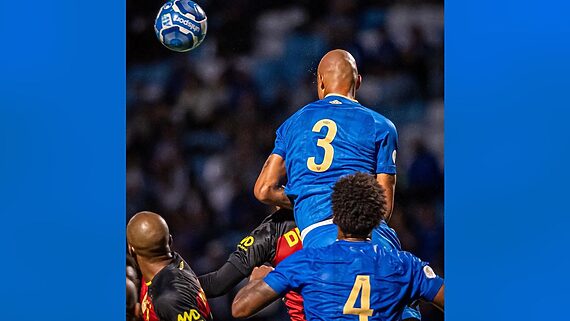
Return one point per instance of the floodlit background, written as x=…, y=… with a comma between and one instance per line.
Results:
x=201, y=124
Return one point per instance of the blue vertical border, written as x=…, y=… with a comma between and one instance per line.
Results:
x=62, y=160
x=507, y=152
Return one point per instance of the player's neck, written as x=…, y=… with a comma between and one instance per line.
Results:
x=354, y=239
x=346, y=237
x=149, y=268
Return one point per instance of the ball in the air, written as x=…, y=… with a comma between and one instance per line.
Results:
x=181, y=25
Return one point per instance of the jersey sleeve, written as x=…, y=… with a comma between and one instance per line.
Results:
x=424, y=282
x=288, y=275
x=221, y=281
x=280, y=143
x=255, y=249
x=386, y=146
x=171, y=306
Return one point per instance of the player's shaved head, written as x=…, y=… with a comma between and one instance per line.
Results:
x=148, y=235
x=337, y=73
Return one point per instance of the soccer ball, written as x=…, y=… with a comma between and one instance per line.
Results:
x=181, y=25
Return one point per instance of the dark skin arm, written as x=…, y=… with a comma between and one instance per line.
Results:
x=255, y=296
x=388, y=183
x=438, y=300
x=267, y=188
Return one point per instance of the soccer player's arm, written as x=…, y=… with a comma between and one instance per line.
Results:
x=386, y=147
x=268, y=188
x=259, y=293
x=253, y=250
x=425, y=284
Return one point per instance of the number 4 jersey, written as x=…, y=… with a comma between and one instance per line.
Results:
x=355, y=281
x=325, y=140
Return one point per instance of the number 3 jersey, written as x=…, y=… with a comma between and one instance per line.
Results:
x=355, y=281
x=325, y=140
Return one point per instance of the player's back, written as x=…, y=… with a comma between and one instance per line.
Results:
x=323, y=141
x=176, y=293
x=357, y=281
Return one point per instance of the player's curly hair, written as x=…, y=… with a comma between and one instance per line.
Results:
x=358, y=204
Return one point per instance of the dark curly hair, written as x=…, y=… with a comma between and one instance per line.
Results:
x=358, y=204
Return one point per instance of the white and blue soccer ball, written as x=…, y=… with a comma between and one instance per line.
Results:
x=181, y=25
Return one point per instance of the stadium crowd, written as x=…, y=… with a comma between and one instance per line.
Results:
x=201, y=124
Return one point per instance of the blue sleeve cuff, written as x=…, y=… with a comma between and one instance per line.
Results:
x=386, y=169
x=279, y=151
x=434, y=286
x=277, y=282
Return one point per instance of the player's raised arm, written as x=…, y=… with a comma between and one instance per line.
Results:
x=268, y=189
x=388, y=183
x=386, y=149
x=255, y=296
x=253, y=250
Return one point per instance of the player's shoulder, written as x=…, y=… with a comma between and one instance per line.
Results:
x=381, y=121
x=176, y=277
x=394, y=262
x=279, y=216
x=269, y=228
x=282, y=218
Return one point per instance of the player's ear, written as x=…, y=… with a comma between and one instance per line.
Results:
x=358, y=82
x=322, y=83
x=131, y=250
x=170, y=240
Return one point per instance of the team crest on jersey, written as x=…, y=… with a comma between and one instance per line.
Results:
x=335, y=102
x=430, y=274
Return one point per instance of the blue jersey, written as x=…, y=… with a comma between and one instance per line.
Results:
x=325, y=140
x=355, y=281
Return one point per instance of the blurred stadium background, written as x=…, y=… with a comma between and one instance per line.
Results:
x=201, y=124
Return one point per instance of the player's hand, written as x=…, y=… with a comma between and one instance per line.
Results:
x=260, y=272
